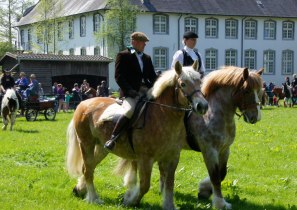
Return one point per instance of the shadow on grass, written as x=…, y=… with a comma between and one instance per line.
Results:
x=189, y=201
x=26, y=131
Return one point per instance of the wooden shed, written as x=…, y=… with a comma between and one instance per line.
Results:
x=64, y=69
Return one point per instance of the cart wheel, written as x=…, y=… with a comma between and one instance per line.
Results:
x=50, y=114
x=31, y=114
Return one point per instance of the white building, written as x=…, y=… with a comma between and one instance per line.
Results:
x=249, y=33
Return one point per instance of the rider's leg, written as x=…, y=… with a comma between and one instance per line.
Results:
x=123, y=121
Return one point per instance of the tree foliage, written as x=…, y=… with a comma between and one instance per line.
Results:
x=5, y=47
x=119, y=22
x=10, y=12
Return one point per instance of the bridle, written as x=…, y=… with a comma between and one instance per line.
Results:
x=241, y=103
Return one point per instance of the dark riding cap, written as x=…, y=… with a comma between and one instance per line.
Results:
x=189, y=35
x=139, y=36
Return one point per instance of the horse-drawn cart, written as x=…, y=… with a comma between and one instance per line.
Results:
x=33, y=108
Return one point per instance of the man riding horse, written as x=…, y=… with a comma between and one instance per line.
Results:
x=134, y=73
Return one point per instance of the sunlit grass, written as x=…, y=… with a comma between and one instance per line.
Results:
x=261, y=170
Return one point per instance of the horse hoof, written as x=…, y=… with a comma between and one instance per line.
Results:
x=78, y=193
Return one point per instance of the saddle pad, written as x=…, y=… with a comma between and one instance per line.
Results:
x=111, y=112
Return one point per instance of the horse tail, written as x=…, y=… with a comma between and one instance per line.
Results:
x=74, y=159
x=125, y=168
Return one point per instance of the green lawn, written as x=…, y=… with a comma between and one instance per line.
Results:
x=262, y=171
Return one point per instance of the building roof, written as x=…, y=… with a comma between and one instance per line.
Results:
x=50, y=57
x=255, y=8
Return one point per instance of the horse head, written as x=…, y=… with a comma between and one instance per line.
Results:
x=246, y=95
x=189, y=86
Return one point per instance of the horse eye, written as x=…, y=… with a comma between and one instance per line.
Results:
x=183, y=84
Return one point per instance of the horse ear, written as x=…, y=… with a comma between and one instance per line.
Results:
x=260, y=71
x=245, y=74
x=195, y=65
x=178, y=68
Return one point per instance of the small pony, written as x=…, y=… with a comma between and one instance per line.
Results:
x=9, y=107
x=156, y=138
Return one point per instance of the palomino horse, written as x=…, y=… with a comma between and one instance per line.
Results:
x=213, y=133
x=159, y=139
x=9, y=107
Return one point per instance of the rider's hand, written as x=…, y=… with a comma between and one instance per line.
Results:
x=133, y=93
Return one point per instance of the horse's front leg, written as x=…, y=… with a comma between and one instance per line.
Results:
x=217, y=167
x=5, y=122
x=12, y=120
x=145, y=166
x=167, y=170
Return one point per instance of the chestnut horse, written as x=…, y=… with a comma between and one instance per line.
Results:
x=212, y=134
x=9, y=107
x=159, y=139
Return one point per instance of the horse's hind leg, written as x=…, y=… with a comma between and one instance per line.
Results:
x=5, y=122
x=12, y=120
x=167, y=171
x=145, y=169
x=91, y=157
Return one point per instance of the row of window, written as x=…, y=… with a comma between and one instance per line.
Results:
x=160, y=58
x=161, y=26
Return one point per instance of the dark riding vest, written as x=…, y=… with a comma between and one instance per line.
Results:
x=188, y=61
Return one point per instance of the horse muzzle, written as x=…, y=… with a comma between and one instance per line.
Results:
x=200, y=107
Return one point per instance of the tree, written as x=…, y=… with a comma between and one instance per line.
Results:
x=5, y=47
x=10, y=12
x=119, y=22
x=47, y=25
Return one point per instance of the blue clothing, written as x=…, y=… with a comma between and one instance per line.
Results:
x=22, y=83
x=33, y=89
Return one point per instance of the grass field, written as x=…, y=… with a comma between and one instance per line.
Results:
x=262, y=170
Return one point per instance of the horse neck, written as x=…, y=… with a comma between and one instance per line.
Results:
x=170, y=98
x=222, y=101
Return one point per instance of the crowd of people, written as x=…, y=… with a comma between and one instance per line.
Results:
x=288, y=92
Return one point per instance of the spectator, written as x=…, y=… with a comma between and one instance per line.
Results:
x=67, y=101
x=40, y=92
x=89, y=91
x=60, y=97
x=22, y=82
x=76, y=95
x=54, y=88
x=102, y=90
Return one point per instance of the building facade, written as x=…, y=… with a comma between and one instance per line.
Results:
x=246, y=33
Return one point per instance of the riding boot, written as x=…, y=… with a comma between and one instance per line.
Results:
x=119, y=127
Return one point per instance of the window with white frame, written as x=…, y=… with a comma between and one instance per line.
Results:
x=269, y=29
x=191, y=24
x=71, y=51
x=231, y=29
x=29, y=39
x=71, y=29
x=211, y=28
x=288, y=30
x=82, y=26
x=60, y=31
x=97, y=50
x=160, y=24
x=250, y=59
x=250, y=29
x=287, y=62
x=211, y=57
x=83, y=51
x=50, y=33
x=23, y=38
x=231, y=57
x=97, y=18
x=269, y=61
x=161, y=58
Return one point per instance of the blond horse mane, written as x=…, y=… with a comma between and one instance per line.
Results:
x=228, y=76
x=169, y=79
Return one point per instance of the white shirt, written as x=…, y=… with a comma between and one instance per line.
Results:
x=179, y=56
x=139, y=58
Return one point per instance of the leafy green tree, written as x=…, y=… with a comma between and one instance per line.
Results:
x=47, y=25
x=10, y=12
x=119, y=22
